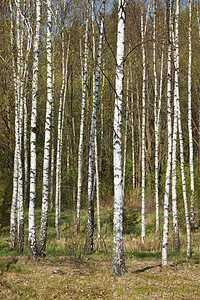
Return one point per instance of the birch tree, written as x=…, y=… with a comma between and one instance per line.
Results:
x=143, y=121
x=143, y=34
x=17, y=211
x=58, y=162
x=19, y=68
x=118, y=261
x=175, y=128
x=20, y=75
x=143, y=126
x=32, y=237
x=98, y=196
x=61, y=114
x=60, y=133
x=13, y=215
x=52, y=148
x=190, y=117
x=169, y=133
x=80, y=147
x=132, y=136
x=125, y=137
x=188, y=255
x=47, y=141
x=156, y=115
x=90, y=223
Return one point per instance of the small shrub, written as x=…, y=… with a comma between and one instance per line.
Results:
x=130, y=221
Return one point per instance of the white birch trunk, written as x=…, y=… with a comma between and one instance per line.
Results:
x=57, y=191
x=102, y=124
x=25, y=79
x=26, y=32
x=143, y=124
x=118, y=263
x=156, y=116
x=52, y=146
x=60, y=134
x=51, y=196
x=133, y=136
x=20, y=204
x=175, y=129
x=52, y=149
x=90, y=224
x=138, y=172
x=169, y=154
x=19, y=67
x=13, y=215
x=126, y=129
x=182, y=154
x=98, y=200
x=190, y=118
x=47, y=141
x=32, y=238
x=184, y=183
x=62, y=124
x=143, y=33
x=25, y=153
x=157, y=132
x=80, y=147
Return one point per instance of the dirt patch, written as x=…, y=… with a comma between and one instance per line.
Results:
x=91, y=279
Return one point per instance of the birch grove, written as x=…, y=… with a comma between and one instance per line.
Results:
x=99, y=127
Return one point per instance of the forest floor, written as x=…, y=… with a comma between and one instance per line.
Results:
x=67, y=272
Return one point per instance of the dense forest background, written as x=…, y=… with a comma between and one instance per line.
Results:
x=69, y=18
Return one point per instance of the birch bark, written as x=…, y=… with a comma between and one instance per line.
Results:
x=143, y=124
x=57, y=192
x=80, y=148
x=190, y=118
x=13, y=215
x=126, y=129
x=98, y=200
x=90, y=223
x=52, y=146
x=133, y=136
x=19, y=68
x=60, y=134
x=102, y=120
x=143, y=33
x=25, y=153
x=118, y=262
x=32, y=252
x=169, y=154
x=184, y=183
x=47, y=141
x=174, y=138
x=156, y=115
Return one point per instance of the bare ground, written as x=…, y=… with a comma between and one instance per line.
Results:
x=91, y=278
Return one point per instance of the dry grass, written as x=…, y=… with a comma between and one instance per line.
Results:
x=64, y=275
x=91, y=279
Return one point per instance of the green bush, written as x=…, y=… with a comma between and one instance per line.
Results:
x=130, y=221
